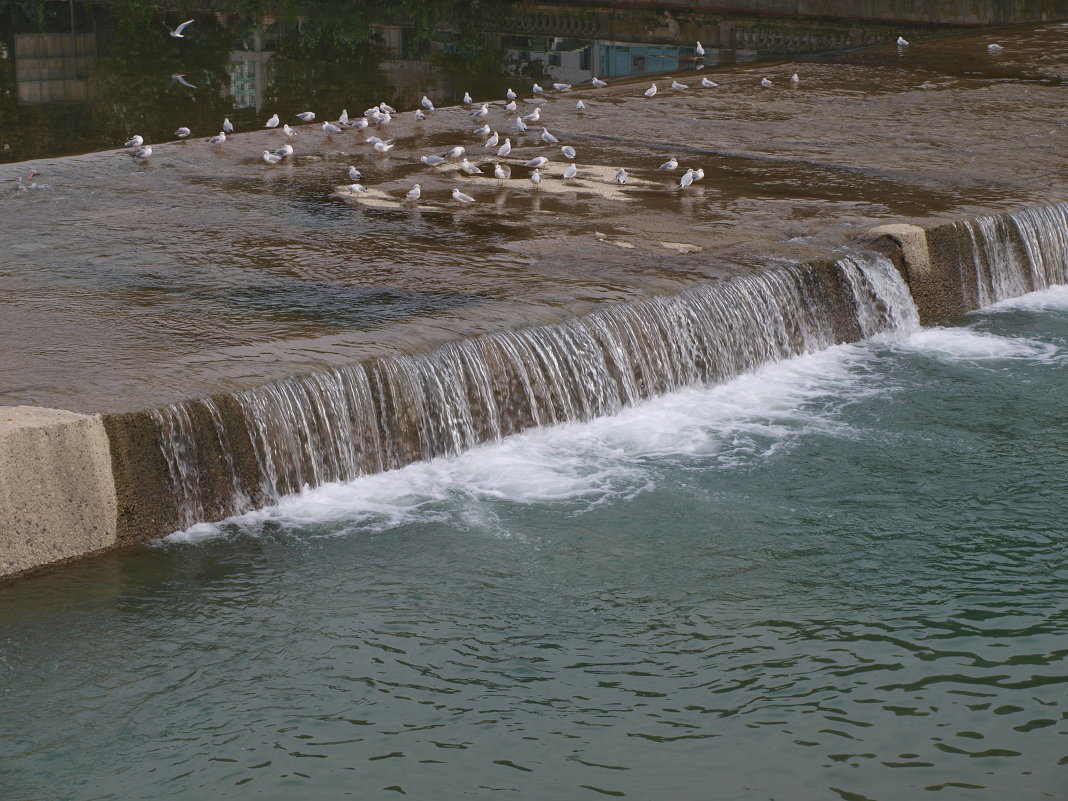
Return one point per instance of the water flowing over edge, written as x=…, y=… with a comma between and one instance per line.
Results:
x=230, y=454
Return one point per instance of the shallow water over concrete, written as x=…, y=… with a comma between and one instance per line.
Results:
x=133, y=285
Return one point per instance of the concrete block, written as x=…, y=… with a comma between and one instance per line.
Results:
x=57, y=494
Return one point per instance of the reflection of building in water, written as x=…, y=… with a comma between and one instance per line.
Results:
x=53, y=67
x=577, y=60
x=250, y=73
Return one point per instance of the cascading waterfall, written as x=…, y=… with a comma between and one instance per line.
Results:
x=1017, y=252
x=338, y=424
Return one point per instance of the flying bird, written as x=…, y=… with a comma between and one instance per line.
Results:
x=176, y=33
x=181, y=79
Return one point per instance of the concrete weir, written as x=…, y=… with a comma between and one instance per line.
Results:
x=77, y=484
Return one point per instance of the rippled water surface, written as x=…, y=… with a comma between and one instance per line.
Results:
x=840, y=577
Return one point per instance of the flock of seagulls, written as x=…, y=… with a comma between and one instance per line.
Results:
x=381, y=115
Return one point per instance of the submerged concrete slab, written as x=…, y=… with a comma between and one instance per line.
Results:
x=57, y=496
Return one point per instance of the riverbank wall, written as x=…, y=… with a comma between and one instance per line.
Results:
x=75, y=484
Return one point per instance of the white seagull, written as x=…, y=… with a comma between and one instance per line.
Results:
x=142, y=153
x=419, y=115
x=533, y=116
x=902, y=41
x=707, y=83
x=330, y=128
x=454, y=152
x=561, y=87
x=469, y=168
x=686, y=179
x=354, y=174
x=343, y=119
x=698, y=174
x=510, y=94
x=272, y=122
x=354, y=188
x=568, y=151
x=482, y=113
x=671, y=164
x=414, y=193
x=621, y=176
x=285, y=151
x=467, y=99
x=547, y=137
x=386, y=107
x=795, y=79
x=484, y=130
x=431, y=161
x=426, y=103
x=650, y=91
x=228, y=127
x=535, y=178
x=492, y=141
x=134, y=141
x=766, y=83
x=510, y=106
x=499, y=173
x=699, y=50
x=383, y=147
x=182, y=132
x=570, y=171
x=536, y=89
x=306, y=116
x=218, y=139
x=537, y=161
x=505, y=149
x=271, y=158
x=994, y=47
x=580, y=106
x=520, y=125
x=176, y=33
x=460, y=197
x=598, y=83
x=288, y=131
x=678, y=84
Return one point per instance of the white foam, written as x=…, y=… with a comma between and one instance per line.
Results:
x=1054, y=298
x=968, y=344
x=583, y=465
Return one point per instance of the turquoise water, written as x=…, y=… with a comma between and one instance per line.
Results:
x=839, y=577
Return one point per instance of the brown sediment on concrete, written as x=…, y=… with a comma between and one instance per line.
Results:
x=57, y=497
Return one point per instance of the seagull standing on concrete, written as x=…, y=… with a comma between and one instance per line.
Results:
x=598, y=83
x=536, y=89
x=329, y=128
x=510, y=95
x=273, y=122
x=547, y=137
x=570, y=171
x=708, y=84
x=306, y=116
x=499, y=174
x=134, y=141
x=271, y=158
x=426, y=103
x=469, y=168
x=454, y=152
x=176, y=33
x=537, y=161
x=432, y=161
x=678, y=84
x=621, y=176
x=650, y=91
x=228, y=127
x=460, y=197
x=142, y=153
x=182, y=132
x=467, y=99
x=285, y=151
x=218, y=139
x=561, y=87
x=492, y=141
x=414, y=193
x=568, y=151
x=533, y=116
x=535, y=178
x=354, y=174
x=505, y=149
x=766, y=83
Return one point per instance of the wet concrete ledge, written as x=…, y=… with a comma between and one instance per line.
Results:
x=72, y=485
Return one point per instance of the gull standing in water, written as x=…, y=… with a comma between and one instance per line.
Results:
x=698, y=174
x=700, y=51
x=383, y=147
x=598, y=83
x=432, y=161
x=671, y=164
x=520, y=125
x=580, y=106
x=182, y=132
x=469, y=168
x=460, y=197
x=306, y=116
x=795, y=79
x=537, y=161
x=570, y=171
x=492, y=141
x=535, y=178
x=176, y=33
x=273, y=122
x=994, y=47
x=678, y=84
x=134, y=141
x=621, y=176
x=499, y=174
x=414, y=193
x=289, y=132
x=533, y=116
x=902, y=41
x=355, y=188
x=271, y=158
x=707, y=83
x=686, y=179
x=766, y=83
x=568, y=151
x=650, y=91
x=547, y=137
x=354, y=174
x=142, y=153
x=285, y=151
x=505, y=149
